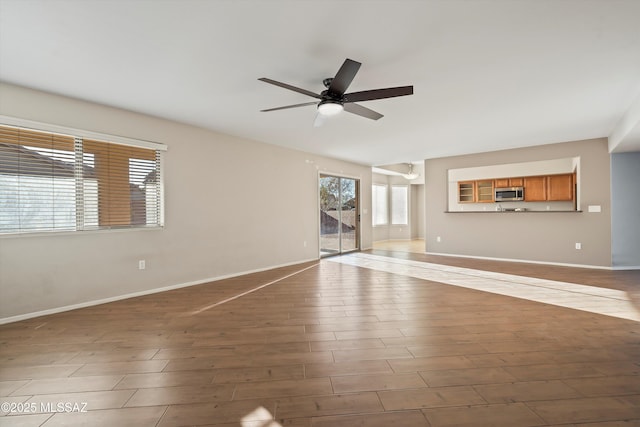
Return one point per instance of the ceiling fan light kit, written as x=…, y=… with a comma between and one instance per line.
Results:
x=334, y=100
x=411, y=174
x=330, y=108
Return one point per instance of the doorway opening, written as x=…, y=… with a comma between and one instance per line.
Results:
x=339, y=215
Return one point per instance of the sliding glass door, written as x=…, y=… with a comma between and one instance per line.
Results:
x=339, y=219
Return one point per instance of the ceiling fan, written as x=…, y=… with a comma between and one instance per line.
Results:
x=334, y=99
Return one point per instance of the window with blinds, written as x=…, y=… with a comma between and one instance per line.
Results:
x=399, y=205
x=379, y=204
x=54, y=182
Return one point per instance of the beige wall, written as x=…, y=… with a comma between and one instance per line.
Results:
x=223, y=213
x=417, y=211
x=533, y=236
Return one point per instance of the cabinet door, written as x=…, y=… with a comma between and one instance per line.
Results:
x=560, y=187
x=466, y=192
x=535, y=188
x=516, y=182
x=484, y=191
x=501, y=182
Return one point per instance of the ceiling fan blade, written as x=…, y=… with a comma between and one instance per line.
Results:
x=293, y=88
x=290, y=106
x=368, y=95
x=344, y=77
x=362, y=111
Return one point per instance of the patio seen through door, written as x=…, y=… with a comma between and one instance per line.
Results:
x=339, y=218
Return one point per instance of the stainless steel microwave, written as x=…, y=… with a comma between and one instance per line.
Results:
x=509, y=194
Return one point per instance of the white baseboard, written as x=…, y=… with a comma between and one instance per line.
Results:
x=527, y=261
x=140, y=293
x=398, y=240
x=626, y=267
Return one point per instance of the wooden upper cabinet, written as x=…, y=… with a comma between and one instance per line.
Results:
x=535, y=188
x=501, y=183
x=484, y=191
x=508, y=182
x=466, y=191
x=560, y=187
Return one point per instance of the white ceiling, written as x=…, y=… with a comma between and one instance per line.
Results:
x=487, y=75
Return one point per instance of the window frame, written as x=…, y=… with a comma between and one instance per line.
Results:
x=374, y=207
x=81, y=135
x=393, y=204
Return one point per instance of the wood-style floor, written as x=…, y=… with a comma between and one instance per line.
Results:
x=329, y=344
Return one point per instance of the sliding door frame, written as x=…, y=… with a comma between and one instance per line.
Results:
x=358, y=209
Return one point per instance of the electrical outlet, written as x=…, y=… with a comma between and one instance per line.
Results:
x=438, y=239
x=578, y=245
x=142, y=265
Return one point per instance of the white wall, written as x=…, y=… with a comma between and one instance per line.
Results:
x=223, y=216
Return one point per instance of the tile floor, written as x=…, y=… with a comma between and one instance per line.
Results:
x=594, y=299
x=368, y=339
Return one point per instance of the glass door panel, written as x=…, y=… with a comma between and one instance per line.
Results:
x=348, y=214
x=339, y=222
x=329, y=215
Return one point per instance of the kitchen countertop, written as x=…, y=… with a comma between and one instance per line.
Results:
x=518, y=212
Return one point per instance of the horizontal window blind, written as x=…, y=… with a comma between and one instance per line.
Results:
x=379, y=204
x=399, y=205
x=54, y=182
